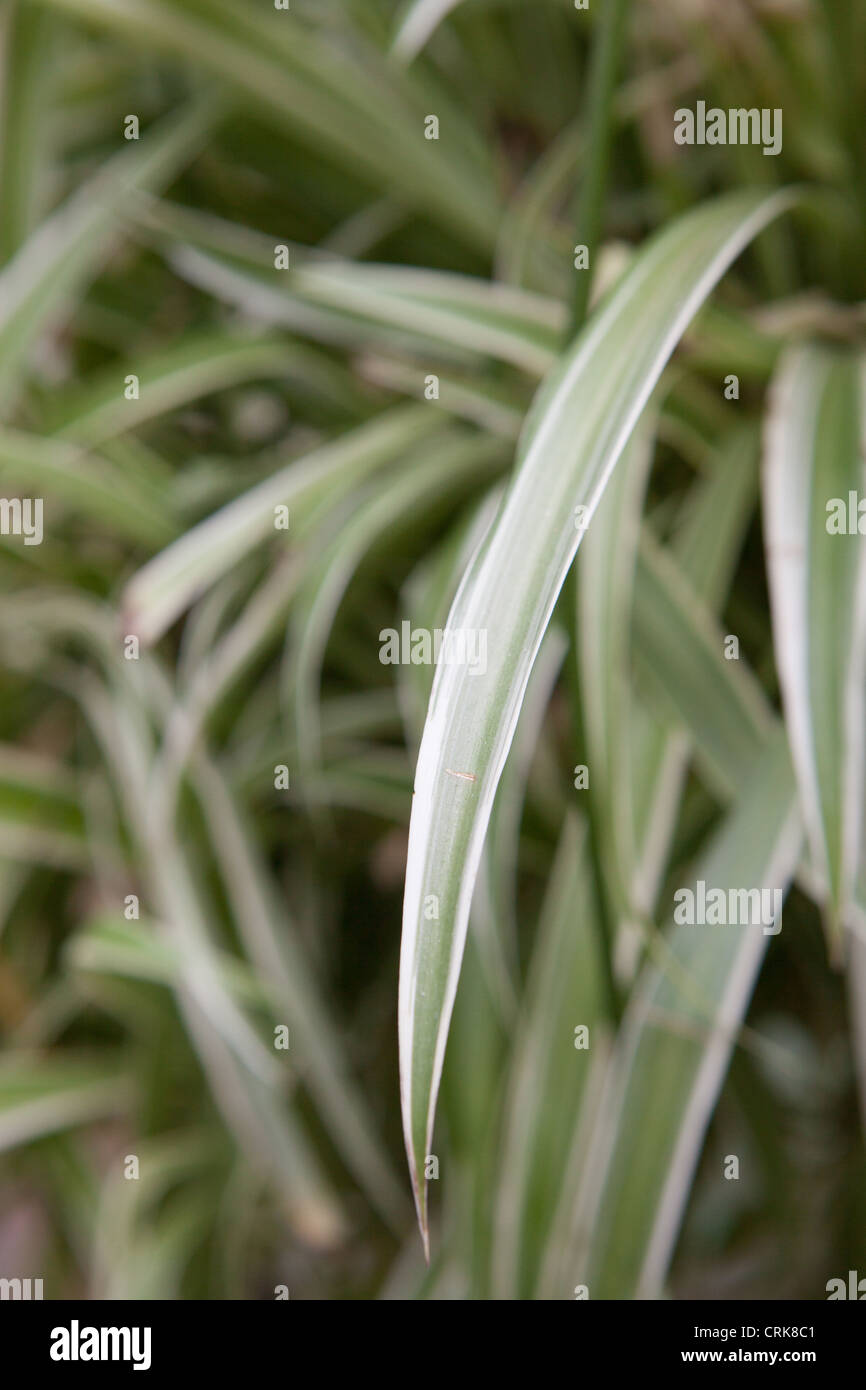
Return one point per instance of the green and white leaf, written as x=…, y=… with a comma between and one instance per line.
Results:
x=673, y=1053
x=816, y=457
x=576, y=430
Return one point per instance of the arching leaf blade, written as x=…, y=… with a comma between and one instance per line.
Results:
x=574, y=435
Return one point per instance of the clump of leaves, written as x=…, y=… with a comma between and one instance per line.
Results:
x=307, y=352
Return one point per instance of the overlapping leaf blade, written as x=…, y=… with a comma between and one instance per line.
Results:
x=674, y=1048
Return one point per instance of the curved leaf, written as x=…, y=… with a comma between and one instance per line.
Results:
x=575, y=432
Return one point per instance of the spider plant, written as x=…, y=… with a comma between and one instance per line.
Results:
x=333, y=337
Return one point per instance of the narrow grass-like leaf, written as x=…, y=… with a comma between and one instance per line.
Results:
x=143, y=1239
x=573, y=437
x=494, y=908
x=815, y=464
x=168, y=584
x=682, y=649
x=40, y=817
x=39, y=1097
x=527, y=250
x=466, y=397
x=565, y=990
x=451, y=464
x=292, y=991
x=66, y=250
x=349, y=111
x=427, y=598
x=84, y=484
x=708, y=538
x=679, y=652
x=247, y=1081
x=26, y=53
x=354, y=304
x=608, y=558
x=711, y=527
x=674, y=1049
x=137, y=951
x=201, y=364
